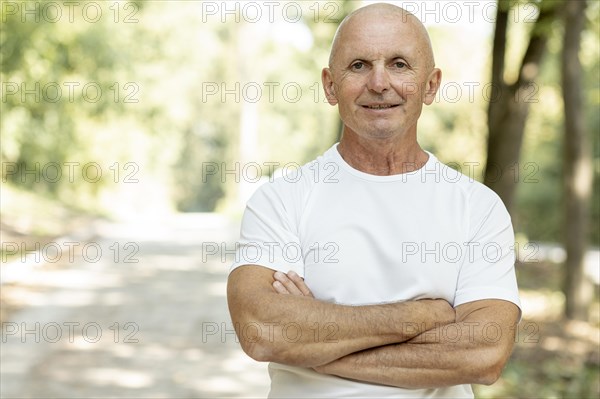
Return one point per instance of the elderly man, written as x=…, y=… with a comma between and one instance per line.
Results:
x=404, y=284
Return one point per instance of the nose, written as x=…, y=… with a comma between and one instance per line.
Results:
x=379, y=80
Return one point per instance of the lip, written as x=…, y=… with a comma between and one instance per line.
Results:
x=379, y=106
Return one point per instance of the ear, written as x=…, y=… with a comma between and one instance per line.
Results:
x=432, y=85
x=328, y=86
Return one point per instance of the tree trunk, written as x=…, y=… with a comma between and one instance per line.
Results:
x=509, y=103
x=577, y=168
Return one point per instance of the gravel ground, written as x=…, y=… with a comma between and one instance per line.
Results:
x=145, y=316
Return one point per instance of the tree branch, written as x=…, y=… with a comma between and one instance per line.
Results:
x=530, y=65
x=499, y=45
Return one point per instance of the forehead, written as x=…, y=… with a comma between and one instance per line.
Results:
x=382, y=35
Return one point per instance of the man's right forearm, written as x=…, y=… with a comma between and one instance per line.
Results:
x=302, y=331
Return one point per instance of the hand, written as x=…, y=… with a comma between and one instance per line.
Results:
x=290, y=284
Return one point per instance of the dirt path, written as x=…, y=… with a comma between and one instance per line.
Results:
x=146, y=318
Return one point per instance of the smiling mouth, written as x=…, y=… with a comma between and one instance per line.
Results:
x=380, y=106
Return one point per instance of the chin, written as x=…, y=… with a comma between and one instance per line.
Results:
x=380, y=134
x=376, y=132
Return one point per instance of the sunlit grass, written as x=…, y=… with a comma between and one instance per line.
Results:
x=553, y=357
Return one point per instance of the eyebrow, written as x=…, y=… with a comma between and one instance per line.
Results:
x=394, y=57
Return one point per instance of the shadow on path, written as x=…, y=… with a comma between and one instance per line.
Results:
x=143, y=317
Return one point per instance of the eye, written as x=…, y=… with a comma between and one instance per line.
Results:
x=357, y=65
x=400, y=64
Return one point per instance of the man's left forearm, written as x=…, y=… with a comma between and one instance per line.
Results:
x=473, y=350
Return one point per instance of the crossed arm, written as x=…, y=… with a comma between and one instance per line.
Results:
x=412, y=344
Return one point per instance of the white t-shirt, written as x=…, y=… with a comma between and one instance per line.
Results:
x=361, y=239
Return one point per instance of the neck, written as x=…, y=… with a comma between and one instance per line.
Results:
x=382, y=157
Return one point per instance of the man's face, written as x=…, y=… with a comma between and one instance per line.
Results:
x=381, y=74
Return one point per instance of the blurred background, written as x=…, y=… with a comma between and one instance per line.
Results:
x=132, y=134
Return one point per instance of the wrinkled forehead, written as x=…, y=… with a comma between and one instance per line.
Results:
x=382, y=31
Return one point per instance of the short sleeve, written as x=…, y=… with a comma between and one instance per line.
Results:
x=268, y=235
x=488, y=270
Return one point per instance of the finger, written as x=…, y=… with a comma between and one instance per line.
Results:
x=279, y=288
x=289, y=285
x=299, y=281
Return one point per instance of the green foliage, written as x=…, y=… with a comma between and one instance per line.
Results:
x=539, y=201
x=158, y=123
x=457, y=132
x=59, y=90
x=521, y=380
x=157, y=127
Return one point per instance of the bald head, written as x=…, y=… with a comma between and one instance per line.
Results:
x=375, y=14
